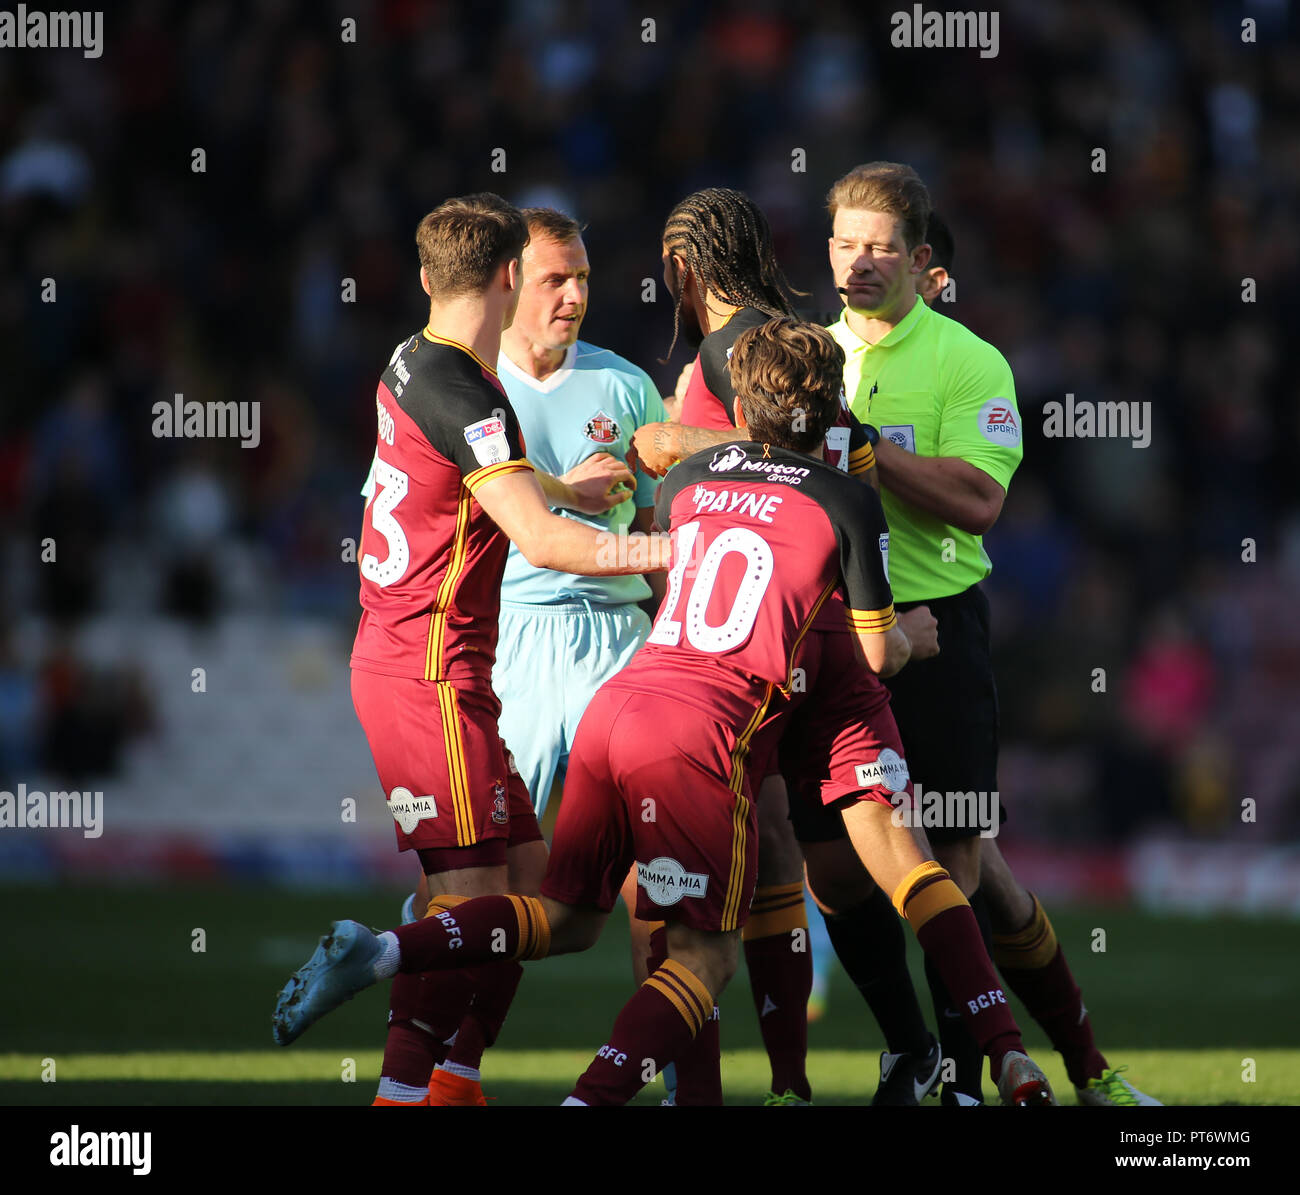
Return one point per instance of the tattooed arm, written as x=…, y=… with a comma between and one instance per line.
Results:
x=658, y=446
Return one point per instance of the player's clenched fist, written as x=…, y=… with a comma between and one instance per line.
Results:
x=922, y=628
x=596, y=483
x=655, y=449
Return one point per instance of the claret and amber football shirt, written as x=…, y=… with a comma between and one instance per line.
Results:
x=431, y=559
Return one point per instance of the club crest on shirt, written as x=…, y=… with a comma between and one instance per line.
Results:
x=602, y=429
x=500, y=814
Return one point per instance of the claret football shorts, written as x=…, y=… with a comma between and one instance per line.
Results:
x=446, y=773
x=656, y=783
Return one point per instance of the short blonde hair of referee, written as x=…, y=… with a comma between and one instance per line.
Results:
x=890, y=187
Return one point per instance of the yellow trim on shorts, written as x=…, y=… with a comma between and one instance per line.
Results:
x=454, y=745
x=740, y=815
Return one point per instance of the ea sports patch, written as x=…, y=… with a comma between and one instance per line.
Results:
x=487, y=438
x=409, y=810
x=602, y=429
x=998, y=423
x=902, y=434
x=884, y=553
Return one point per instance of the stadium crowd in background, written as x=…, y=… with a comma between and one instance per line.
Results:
x=318, y=154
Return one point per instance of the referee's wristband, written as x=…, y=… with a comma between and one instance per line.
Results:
x=873, y=436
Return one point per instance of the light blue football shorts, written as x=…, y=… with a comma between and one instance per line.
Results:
x=550, y=662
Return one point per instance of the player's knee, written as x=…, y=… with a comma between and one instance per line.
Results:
x=711, y=957
x=526, y=867
x=572, y=929
x=838, y=880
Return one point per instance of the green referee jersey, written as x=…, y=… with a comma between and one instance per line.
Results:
x=935, y=388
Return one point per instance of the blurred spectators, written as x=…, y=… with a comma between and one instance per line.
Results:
x=319, y=155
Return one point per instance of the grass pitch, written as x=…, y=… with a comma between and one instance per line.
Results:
x=109, y=1000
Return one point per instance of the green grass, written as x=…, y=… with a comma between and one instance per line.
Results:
x=104, y=981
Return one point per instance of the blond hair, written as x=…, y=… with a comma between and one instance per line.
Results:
x=889, y=187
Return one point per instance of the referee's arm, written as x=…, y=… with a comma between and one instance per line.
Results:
x=947, y=487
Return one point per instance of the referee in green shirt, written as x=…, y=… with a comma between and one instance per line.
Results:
x=944, y=403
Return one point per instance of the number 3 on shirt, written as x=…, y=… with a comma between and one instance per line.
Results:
x=735, y=629
x=392, y=483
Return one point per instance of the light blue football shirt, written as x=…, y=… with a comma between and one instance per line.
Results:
x=592, y=403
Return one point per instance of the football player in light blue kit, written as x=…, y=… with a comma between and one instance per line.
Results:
x=563, y=636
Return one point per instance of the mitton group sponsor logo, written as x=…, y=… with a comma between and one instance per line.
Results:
x=602, y=428
x=726, y=459
x=666, y=881
x=775, y=471
x=408, y=810
x=35, y=810
x=951, y=810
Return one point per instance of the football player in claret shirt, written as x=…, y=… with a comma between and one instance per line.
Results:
x=451, y=483
x=764, y=533
x=561, y=636
x=721, y=269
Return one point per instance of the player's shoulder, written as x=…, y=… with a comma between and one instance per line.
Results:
x=446, y=373
x=446, y=389
x=957, y=344
x=721, y=339
x=592, y=358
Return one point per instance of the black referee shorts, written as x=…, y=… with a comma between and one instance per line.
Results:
x=947, y=714
x=947, y=708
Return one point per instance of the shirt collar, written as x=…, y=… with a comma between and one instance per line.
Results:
x=547, y=384
x=899, y=332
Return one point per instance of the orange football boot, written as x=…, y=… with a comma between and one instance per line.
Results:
x=455, y=1091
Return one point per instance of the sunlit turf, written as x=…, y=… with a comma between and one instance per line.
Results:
x=106, y=994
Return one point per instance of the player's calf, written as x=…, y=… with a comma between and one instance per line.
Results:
x=661, y=1022
x=487, y=929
